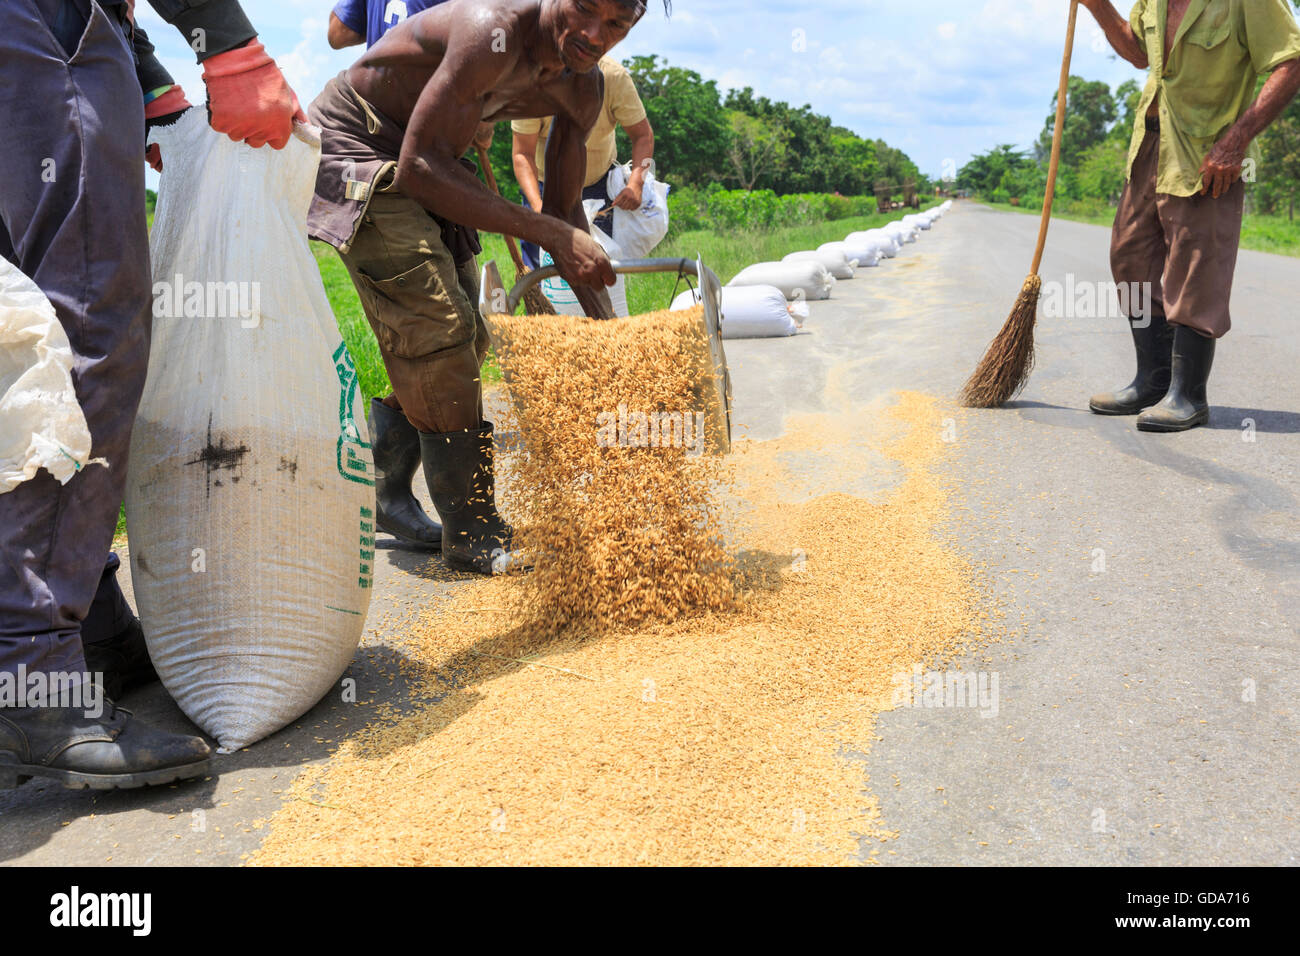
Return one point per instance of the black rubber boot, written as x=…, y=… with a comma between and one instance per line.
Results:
x=459, y=469
x=1185, y=406
x=108, y=752
x=395, y=443
x=122, y=662
x=1154, y=346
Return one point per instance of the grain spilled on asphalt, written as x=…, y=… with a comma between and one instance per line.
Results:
x=715, y=735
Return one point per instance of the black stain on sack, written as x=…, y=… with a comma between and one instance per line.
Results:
x=290, y=466
x=219, y=456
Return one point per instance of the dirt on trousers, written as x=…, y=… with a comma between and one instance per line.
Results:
x=655, y=700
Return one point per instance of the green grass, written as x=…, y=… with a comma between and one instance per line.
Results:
x=1259, y=233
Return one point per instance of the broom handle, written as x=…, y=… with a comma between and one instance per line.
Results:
x=486, y=163
x=1057, y=135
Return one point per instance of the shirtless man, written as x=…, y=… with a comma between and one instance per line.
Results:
x=395, y=198
x=1179, y=219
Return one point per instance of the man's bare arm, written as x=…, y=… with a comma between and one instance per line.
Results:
x=442, y=126
x=340, y=34
x=525, y=162
x=1118, y=31
x=566, y=168
x=1222, y=167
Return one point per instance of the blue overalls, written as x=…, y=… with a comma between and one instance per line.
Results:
x=72, y=217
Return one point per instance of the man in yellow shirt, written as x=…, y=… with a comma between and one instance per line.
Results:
x=1179, y=218
x=622, y=107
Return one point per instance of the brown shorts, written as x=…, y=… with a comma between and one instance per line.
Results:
x=1184, y=246
x=423, y=309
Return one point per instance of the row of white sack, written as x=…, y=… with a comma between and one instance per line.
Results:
x=751, y=312
x=812, y=274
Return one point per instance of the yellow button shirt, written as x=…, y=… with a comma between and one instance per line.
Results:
x=1221, y=48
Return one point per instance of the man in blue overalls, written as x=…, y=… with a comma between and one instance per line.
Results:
x=80, y=83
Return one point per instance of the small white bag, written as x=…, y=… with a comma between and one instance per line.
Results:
x=638, y=231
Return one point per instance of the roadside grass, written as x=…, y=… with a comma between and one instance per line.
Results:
x=1259, y=233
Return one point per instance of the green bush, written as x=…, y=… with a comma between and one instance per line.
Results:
x=761, y=210
x=839, y=207
x=1000, y=195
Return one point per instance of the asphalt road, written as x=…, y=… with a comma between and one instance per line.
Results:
x=1147, y=707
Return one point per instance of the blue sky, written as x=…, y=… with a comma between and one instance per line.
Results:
x=940, y=79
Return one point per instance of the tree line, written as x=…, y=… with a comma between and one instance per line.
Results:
x=745, y=141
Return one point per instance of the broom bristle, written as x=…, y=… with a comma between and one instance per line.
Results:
x=1010, y=357
x=536, y=302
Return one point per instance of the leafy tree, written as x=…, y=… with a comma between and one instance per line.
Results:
x=855, y=163
x=758, y=147
x=984, y=173
x=692, y=133
x=1279, y=173
x=1089, y=112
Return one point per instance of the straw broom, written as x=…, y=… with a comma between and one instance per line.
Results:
x=534, y=299
x=1006, y=365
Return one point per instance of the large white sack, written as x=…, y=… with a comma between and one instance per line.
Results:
x=903, y=232
x=864, y=254
x=641, y=229
x=562, y=297
x=796, y=280
x=41, y=421
x=835, y=261
x=752, y=311
x=886, y=242
x=250, y=492
x=918, y=221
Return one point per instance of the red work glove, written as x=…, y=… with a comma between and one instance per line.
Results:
x=167, y=109
x=248, y=98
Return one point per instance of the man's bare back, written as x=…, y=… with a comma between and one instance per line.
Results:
x=394, y=72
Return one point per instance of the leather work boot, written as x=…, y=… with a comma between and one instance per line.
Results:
x=395, y=443
x=121, y=662
x=1185, y=406
x=112, y=751
x=1154, y=346
x=459, y=469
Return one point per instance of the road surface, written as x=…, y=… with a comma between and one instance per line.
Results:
x=1148, y=708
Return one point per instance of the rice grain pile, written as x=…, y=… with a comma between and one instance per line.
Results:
x=615, y=502
x=729, y=736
